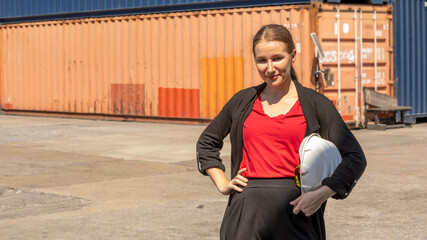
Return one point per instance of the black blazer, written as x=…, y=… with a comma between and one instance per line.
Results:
x=321, y=117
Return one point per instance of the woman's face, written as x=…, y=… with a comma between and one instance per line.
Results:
x=273, y=62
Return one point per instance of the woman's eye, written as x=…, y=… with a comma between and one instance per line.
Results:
x=277, y=59
x=261, y=61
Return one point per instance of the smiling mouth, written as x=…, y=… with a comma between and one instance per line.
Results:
x=274, y=77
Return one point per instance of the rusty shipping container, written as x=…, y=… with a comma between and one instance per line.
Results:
x=185, y=66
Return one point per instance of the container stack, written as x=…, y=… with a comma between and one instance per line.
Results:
x=169, y=62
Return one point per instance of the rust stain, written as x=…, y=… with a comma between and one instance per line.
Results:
x=127, y=99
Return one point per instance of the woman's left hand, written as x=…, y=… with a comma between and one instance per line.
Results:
x=310, y=202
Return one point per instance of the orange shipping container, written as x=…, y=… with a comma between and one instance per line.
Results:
x=185, y=66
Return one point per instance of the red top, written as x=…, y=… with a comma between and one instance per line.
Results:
x=270, y=144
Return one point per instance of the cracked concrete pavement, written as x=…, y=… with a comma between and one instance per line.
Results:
x=86, y=179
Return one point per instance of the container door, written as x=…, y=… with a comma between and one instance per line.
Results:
x=353, y=53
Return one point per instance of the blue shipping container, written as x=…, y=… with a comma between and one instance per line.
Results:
x=410, y=56
x=36, y=10
x=12, y=11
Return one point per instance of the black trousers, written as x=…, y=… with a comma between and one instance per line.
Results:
x=262, y=212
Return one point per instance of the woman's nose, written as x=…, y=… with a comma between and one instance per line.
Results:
x=270, y=67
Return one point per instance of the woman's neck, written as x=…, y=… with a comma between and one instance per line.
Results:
x=275, y=94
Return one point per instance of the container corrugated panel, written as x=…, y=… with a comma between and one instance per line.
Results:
x=38, y=10
x=411, y=56
x=181, y=65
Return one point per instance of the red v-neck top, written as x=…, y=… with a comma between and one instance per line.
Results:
x=270, y=144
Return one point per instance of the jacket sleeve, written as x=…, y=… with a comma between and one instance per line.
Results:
x=353, y=162
x=211, y=141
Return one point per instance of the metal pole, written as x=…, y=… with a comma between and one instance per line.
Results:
x=316, y=74
x=362, y=102
x=339, y=60
x=356, y=105
x=375, y=50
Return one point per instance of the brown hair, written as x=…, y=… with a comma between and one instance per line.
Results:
x=276, y=32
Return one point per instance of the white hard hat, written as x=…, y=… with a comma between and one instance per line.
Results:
x=319, y=159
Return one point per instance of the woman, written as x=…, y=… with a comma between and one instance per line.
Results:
x=267, y=124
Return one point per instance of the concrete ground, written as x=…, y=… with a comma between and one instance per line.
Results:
x=86, y=179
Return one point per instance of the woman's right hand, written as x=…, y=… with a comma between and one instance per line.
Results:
x=235, y=183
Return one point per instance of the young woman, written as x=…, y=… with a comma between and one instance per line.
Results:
x=267, y=124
